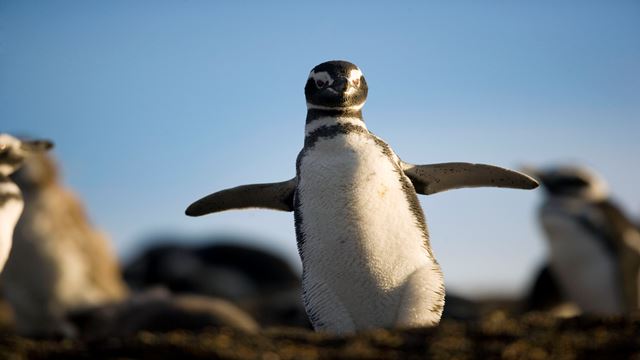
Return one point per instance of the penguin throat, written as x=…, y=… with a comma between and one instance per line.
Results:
x=317, y=113
x=332, y=120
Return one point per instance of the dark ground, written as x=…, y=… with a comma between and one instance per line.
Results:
x=494, y=336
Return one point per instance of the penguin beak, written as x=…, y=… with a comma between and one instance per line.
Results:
x=36, y=145
x=340, y=85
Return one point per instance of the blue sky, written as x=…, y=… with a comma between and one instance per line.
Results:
x=153, y=104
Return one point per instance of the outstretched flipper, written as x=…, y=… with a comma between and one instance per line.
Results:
x=435, y=178
x=276, y=196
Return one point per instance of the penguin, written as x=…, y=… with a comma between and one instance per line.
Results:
x=361, y=233
x=258, y=281
x=13, y=153
x=59, y=261
x=213, y=267
x=594, y=248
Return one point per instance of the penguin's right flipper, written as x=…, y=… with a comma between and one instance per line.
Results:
x=435, y=178
x=276, y=196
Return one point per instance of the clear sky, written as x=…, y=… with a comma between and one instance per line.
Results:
x=153, y=104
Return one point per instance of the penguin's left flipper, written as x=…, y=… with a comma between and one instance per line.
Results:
x=435, y=178
x=276, y=196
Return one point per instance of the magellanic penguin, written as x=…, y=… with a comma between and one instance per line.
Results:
x=361, y=232
x=594, y=248
x=12, y=154
x=59, y=262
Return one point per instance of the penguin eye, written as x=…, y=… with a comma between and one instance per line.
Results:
x=320, y=83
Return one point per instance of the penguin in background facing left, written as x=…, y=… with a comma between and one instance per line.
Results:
x=594, y=248
x=59, y=261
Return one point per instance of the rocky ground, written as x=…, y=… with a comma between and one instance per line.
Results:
x=496, y=335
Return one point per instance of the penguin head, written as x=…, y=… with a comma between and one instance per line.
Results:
x=571, y=181
x=336, y=85
x=13, y=152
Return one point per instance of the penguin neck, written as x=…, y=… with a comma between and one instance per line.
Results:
x=317, y=118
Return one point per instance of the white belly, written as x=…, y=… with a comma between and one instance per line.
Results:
x=9, y=214
x=361, y=238
x=586, y=272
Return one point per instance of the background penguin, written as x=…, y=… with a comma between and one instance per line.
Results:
x=12, y=155
x=215, y=268
x=361, y=233
x=59, y=261
x=258, y=281
x=594, y=249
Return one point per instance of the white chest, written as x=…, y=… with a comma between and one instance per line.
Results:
x=360, y=236
x=11, y=206
x=586, y=272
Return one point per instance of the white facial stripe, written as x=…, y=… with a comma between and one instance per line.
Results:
x=321, y=76
x=320, y=107
x=354, y=80
x=328, y=121
x=355, y=74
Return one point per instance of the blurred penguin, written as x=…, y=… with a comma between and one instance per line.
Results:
x=260, y=282
x=594, y=249
x=59, y=261
x=226, y=270
x=13, y=153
